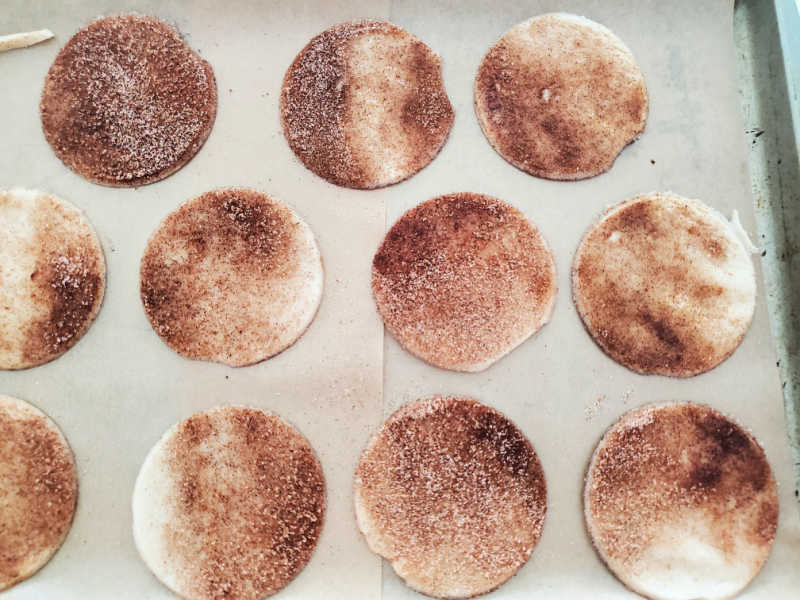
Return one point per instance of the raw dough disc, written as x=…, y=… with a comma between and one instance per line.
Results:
x=38, y=490
x=231, y=276
x=463, y=279
x=228, y=504
x=559, y=96
x=363, y=105
x=664, y=285
x=127, y=102
x=453, y=494
x=52, y=277
x=680, y=503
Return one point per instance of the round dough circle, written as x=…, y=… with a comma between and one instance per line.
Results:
x=664, y=285
x=38, y=487
x=680, y=503
x=53, y=275
x=453, y=494
x=463, y=279
x=228, y=503
x=559, y=96
x=232, y=276
x=363, y=105
x=127, y=102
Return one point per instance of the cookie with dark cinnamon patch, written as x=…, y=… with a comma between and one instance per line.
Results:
x=363, y=105
x=559, y=96
x=664, y=285
x=453, y=494
x=462, y=280
x=52, y=277
x=680, y=502
x=232, y=276
x=38, y=490
x=127, y=102
x=229, y=504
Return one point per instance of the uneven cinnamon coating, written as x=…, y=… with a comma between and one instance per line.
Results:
x=463, y=279
x=363, y=105
x=38, y=490
x=229, y=504
x=453, y=494
x=664, y=285
x=559, y=96
x=680, y=502
x=127, y=102
x=52, y=271
x=231, y=276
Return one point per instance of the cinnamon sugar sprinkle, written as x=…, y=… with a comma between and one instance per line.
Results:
x=228, y=276
x=330, y=131
x=660, y=464
x=127, y=102
x=662, y=287
x=455, y=492
x=462, y=279
x=559, y=96
x=67, y=281
x=38, y=489
x=247, y=504
x=72, y=288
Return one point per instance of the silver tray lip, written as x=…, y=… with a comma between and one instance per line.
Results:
x=768, y=67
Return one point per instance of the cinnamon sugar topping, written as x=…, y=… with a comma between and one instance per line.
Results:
x=664, y=286
x=127, y=102
x=231, y=276
x=71, y=286
x=38, y=489
x=560, y=96
x=53, y=271
x=453, y=494
x=463, y=279
x=363, y=105
x=245, y=504
x=674, y=474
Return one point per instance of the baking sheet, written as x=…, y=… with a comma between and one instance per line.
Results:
x=768, y=62
x=119, y=388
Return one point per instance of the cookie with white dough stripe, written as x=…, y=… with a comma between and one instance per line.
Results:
x=52, y=277
x=363, y=105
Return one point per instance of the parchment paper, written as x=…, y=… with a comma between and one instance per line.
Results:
x=119, y=388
